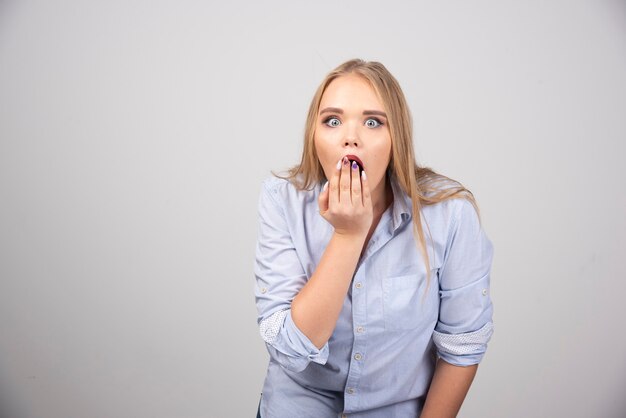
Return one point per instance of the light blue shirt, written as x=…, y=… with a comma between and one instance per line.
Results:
x=380, y=358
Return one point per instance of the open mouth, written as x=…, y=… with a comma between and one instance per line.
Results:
x=357, y=160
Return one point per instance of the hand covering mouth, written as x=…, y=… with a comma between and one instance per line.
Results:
x=354, y=158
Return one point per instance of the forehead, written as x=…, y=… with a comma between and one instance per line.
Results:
x=351, y=92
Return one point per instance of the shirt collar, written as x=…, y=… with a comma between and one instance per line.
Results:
x=401, y=207
x=402, y=204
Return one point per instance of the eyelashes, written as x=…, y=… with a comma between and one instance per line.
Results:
x=333, y=122
x=373, y=123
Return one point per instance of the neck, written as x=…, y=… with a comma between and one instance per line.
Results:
x=382, y=197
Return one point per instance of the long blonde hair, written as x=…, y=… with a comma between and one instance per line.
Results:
x=423, y=185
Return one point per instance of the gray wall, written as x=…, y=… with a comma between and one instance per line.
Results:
x=134, y=137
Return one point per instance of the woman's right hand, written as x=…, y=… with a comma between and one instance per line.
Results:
x=346, y=202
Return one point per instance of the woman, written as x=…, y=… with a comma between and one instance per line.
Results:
x=372, y=272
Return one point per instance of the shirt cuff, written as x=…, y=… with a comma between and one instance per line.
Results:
x=288, y=345
x=463, y=349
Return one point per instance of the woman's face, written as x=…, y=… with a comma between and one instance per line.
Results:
x=351, y=122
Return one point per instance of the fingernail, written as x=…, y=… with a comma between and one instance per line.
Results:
x=339, y=164
x=325, y=186
x=355, y=166
x=363, y=175
x=346, y=161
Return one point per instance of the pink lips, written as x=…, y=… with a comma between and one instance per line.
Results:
x=357, y=159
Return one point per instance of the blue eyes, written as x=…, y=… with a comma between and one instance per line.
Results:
x=333, y=122
x=372, y=123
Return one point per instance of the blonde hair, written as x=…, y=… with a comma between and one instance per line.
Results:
x=423, y=185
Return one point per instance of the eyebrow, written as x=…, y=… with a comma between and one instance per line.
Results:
x=340, y=111
x=374, y=112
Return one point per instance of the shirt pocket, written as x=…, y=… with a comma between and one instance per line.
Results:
x=408, y=303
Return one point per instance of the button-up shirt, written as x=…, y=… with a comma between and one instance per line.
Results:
x=380, y=358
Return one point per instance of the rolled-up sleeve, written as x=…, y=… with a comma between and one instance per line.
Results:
x=279, y=277
x=465, y=322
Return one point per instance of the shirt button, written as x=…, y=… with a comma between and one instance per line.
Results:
x=263, y=290
x=350, y=390
x=360, y=329
x=484, y=292
x=358, y=356
x=358, y=285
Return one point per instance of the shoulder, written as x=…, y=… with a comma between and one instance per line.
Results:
x=275, y=185
x=448, y=197
x=464, y=211
x=283, y=191
x=464, y=220
x=456, y=210
x=449, y=217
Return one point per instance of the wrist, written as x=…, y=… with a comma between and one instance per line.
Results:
x=350, y=237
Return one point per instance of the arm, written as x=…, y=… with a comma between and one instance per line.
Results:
x=317, y=306
x=447, y=390
x=285, y=295
x=465, y=313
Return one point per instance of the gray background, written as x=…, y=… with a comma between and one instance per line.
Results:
x=134, y=137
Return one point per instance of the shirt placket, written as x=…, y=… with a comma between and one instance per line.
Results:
x=358, y=356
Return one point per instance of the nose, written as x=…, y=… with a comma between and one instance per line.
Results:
x=351, y=137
